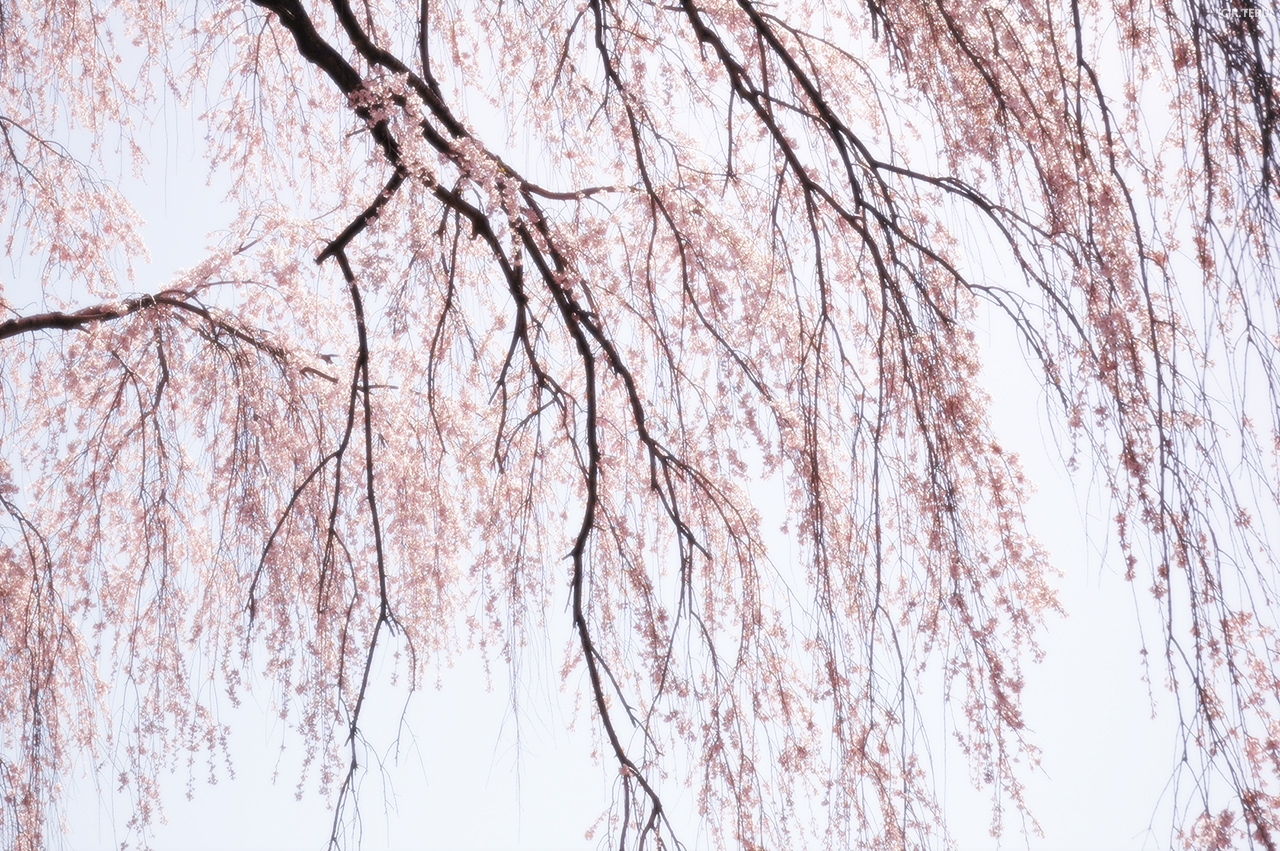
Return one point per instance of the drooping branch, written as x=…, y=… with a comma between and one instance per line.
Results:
x=765, y=268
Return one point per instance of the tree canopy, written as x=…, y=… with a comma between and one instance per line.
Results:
x=529, y=313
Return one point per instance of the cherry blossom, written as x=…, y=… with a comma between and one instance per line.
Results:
x=519, y=305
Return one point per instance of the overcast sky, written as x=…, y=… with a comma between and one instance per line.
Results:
x=462, y=781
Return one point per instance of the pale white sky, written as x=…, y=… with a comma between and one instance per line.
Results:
x=456, y=784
